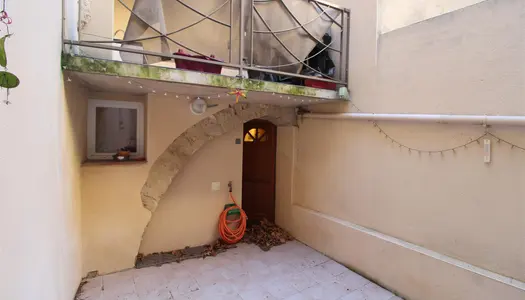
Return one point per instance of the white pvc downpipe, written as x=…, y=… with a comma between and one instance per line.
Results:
x=71, y=11
x=425, y=118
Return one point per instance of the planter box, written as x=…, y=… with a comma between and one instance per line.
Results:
x=320, y=84
x=197, y=66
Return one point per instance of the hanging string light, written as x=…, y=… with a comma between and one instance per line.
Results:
x=410, y=149
x=477, y=140
x=142, y=85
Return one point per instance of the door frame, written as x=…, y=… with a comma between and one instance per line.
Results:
x=273, y=159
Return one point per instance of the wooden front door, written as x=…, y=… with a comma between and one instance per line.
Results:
x=258, y=170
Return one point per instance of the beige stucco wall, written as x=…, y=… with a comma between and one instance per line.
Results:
x=73, y=154
x=112, y=213
x=394, y=14
x=97, y=15
x=121, y=17
x=40, y=249
x=112, y=216
x=466, y=62
x=284, y=173
x=188, y=213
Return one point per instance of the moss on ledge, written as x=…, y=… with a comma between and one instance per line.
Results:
x=123, y=69
x=109, y=67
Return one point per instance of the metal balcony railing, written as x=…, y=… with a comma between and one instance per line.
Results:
x=277, y=40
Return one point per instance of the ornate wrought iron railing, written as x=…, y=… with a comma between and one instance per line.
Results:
x=265, y=38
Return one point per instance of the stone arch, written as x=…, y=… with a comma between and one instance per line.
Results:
x=169, y=164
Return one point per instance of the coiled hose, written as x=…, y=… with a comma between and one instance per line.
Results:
x=232, y=231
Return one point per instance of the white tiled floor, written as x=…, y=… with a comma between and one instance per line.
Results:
x=292, y=272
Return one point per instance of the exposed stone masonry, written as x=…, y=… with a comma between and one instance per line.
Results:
x=172, y=161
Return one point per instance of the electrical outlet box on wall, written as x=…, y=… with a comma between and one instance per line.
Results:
x=486, y=151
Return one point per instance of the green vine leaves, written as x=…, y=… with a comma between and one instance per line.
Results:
x=3, y=55
x=8, y=80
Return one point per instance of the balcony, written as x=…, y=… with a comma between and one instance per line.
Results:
x=288, y=53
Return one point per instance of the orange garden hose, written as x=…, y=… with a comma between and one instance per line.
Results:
x=232, y=231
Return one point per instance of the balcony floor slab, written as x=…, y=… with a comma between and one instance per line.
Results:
x=116, y=76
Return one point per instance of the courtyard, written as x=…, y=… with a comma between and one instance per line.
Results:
x=292, y=271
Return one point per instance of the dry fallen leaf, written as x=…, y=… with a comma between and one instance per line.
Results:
x=266, y=235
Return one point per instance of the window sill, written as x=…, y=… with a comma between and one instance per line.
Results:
x=111, y=162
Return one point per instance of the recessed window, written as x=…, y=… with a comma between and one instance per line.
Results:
x=256, y=134
x=115, y=126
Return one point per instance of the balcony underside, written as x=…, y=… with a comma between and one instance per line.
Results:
x=117, y=76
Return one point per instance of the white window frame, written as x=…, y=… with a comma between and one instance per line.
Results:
x=91, y=127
